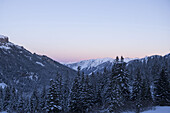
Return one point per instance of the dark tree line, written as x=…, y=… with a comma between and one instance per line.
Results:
x=110, y=91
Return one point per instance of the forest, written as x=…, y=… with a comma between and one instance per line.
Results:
x=112, y=91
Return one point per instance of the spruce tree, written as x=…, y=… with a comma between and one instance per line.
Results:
x=116, y=103
x=89, y=97
x=162, y=90
x=53, y=105
x=14, y=99
x=59, y=86
x=1, y=99
x=137, y=93
x=124, y=82
x=146, y=95
x=66, y=92
x=34, y=102
x=7, y=99
x=118, y=94
x=43, y=98
x=20, y=106
x=75, y=99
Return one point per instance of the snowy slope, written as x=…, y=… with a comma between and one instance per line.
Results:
x=93, y=62
x=89, y=63
x=94, y=65
x=19, y=66
x=163, y=109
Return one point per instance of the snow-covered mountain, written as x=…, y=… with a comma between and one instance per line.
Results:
x=98, y=65
x=23, y=69
x=94, y=65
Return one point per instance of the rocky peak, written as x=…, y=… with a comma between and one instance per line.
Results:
x=3, y=39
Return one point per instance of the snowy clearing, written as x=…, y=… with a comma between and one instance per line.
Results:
x=159, y=109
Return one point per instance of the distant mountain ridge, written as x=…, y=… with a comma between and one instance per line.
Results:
x=93, y=65
x=98, y=65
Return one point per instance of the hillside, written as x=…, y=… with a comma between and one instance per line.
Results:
x=25, y=70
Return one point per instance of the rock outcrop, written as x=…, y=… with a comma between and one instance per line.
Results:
x=3, y=39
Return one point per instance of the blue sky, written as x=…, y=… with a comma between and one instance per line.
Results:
x=73, y=30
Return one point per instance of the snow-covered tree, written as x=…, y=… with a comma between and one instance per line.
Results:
x=75, y=99
x=117, y=94
x=1, y=99
x=34, y=102
x=21, y=105
x=66, y=92
x=43, y=98
x=146, y=95
x=162, y=90
x=53, y=104
x=137, y=93
x=7, y=99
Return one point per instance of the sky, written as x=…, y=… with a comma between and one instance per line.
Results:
x=74, y=30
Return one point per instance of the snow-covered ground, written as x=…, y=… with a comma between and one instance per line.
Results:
x=165, y=109
x=3, y=112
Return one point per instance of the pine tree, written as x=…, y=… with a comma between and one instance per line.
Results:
x=20, y=106
x=66, y=92
x=89, y=95
x=146, y=96
x=75, y=104
x=34, y=102
x=137, y=93
x=1, y=99
x=53, y=104
x=59, y=86
x=83, y=94
x=118, y=93
x=43, y=98
x=124, y=82
x=162, y=90
x=14, y=99
x=7, y=99
x=115, y=103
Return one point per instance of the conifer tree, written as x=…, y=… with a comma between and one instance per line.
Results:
x=118, y=90
x=43, y=98
x=162, y=90
x=75, y=99
x=34, y=102
x=20, y=106
x=124, y=82
x=59, y=86
x=14, y=99
x=146, y=96
x=116, y=103
x=66, y=92
x=1, y=99
x=7, y=99
x=53, y=104
x=137, y=93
